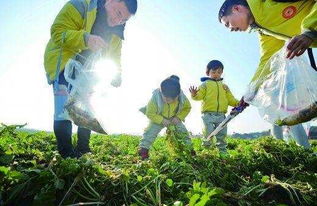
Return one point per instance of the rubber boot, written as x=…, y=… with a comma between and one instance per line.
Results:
x=83, y=141
x=63, y=133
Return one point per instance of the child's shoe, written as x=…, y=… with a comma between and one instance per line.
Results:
x=206, y=144
x=144, y=153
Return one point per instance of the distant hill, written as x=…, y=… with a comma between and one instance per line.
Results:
x=23, y=128
x=31, y=130
x=251, y=135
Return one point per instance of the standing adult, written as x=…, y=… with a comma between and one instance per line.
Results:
x=81, y=28
x=276, y=21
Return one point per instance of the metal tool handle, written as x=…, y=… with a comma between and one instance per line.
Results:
x=221, y=125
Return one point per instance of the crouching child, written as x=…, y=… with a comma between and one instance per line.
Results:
x=168, y=106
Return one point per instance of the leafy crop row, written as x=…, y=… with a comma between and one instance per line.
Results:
x=256, y=172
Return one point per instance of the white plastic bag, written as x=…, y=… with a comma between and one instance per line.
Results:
x=87, y=82
x=290, y=86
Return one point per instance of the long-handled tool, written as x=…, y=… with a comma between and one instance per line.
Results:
x=234, y=112
x=222, y=125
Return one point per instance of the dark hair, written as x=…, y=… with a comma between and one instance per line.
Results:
x=132, y=5
x=170, y=87
x=174, y=77
x=226, y=7
x=214, y=65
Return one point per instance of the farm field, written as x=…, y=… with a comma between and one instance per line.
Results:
x=264, y=171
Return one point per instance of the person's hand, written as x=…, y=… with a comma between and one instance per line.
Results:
x=116, y=81
x=193, y=90
x=298, y=45
x=241, y=106
x=242, y=103
x=166, y=122
x=236, y=110
x=95, y=43
x=175, y=120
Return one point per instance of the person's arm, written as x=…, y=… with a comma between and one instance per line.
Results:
x=151, y=113
x=114, y=51
x=114, y=54
x=200, y=95
x=67, y=30
x=232, y=101
x=269, y=46
x=298, y=44
x=309, y=24
x=185, y=110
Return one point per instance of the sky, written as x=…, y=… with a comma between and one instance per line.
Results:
x=164, y=38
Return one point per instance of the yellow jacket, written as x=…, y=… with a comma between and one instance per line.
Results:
x=278, y=22
x=215, y=96
x=68, y=33
x=156, y=110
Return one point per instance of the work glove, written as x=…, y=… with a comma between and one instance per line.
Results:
x=241, y=106
x=166, y=122
x=175, y=120
x=116, y=81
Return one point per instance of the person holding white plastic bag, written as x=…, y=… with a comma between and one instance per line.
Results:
x=276, y=21
x=81, y=28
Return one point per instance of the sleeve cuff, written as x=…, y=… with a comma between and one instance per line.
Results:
x=180, y=118
x=157, y=120
x=311, y=34
x=86, y=35
x=194, y=97
x=160, y=120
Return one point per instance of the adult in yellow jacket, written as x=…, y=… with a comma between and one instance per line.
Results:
x=81, y=28
x=215, y=97
x=276, y=22
x=168, y=106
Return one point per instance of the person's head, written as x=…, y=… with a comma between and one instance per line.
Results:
x=235, y=15
x=120, y=11
x=170, y=89
x=214, y=69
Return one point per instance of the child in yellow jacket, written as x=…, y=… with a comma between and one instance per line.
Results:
x=215, y=97
x=168, y=106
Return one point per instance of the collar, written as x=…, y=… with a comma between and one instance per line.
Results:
x=203, y=79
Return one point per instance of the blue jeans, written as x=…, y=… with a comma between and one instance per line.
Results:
x=211, y=121
x=63, y=124
x=61, y=91
x=297, y=131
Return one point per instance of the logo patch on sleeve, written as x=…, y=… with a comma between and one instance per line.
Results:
x=289, y=12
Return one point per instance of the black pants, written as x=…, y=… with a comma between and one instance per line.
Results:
x=63, y=133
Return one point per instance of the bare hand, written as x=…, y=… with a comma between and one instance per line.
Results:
x=166, y=122
x=242, y=103
x=116, y=81
x=298, y=45
x=175, y=120
x=241, y=106
x=95, y=43
x=193, y=90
